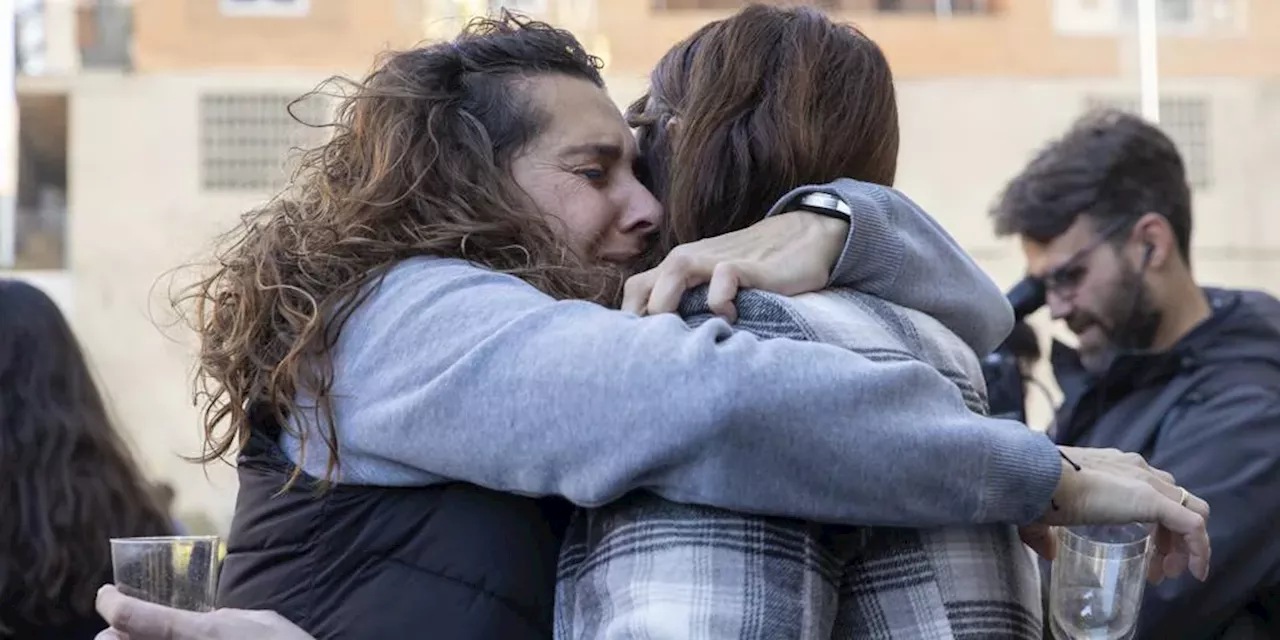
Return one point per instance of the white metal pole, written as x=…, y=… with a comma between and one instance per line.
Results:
x=1149, y=59
x=8, y=133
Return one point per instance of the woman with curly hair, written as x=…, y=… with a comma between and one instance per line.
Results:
x=69, y=482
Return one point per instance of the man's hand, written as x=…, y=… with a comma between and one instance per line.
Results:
x=1113, y=487
x=790, y=253
x=133, y=619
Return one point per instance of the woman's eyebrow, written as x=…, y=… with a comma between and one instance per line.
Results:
x=607, y=151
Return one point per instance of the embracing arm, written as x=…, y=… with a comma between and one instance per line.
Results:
x=453, y=372
x=897, y=252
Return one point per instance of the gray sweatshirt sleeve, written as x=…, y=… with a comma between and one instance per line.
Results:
x=897, y=252
x=449, y=371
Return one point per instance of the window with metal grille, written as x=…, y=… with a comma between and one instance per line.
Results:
x=247, y=139
x=1186, y=121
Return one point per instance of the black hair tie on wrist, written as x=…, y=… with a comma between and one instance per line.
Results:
x=1073, y=464
x=1069, y=460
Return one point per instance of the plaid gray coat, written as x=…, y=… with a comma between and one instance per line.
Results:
x=649, y=569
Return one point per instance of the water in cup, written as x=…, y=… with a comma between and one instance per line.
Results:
x=1097, y=581
x=1088, y=612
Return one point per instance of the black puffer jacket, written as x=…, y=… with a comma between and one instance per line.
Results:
x=445, y=562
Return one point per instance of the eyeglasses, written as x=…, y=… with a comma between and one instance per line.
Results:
x=1066, y=277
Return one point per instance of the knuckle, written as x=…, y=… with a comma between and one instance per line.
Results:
x=221, y=616
x=1201, y=525
x=679, y=258
x=1152, y=495
x=726, y=269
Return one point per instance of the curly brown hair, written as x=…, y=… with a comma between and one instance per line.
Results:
x=71, y=483
x=418, y=164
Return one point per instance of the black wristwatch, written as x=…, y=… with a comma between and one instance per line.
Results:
x=824, y=204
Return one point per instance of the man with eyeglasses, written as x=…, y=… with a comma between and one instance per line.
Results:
x=1188, y=377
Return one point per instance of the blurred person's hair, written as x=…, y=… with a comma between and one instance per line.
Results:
x=165, y=493
x=419, y=163
x=752, y=106
x=1024, y=343
x=1110, y=166
x=70, y=483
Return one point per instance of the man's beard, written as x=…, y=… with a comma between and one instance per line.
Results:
x=1130, y=321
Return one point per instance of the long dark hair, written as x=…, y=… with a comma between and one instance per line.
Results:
x=754, y=105
x=419, y=164
x=70, y=482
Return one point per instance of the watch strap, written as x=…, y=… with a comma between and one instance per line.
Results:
x=824, y=204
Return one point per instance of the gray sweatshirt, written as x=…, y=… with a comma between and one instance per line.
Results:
x=451, y=372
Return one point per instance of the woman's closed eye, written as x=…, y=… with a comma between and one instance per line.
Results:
x=594, y=174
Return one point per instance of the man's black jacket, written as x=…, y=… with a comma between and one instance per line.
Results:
x=1207, y=411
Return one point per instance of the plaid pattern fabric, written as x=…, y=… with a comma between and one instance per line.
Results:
x=649, y=569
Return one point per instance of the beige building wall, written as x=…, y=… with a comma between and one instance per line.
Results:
x=1028, y=38
x=139, y=212
x=181, y=35
x=977, y=95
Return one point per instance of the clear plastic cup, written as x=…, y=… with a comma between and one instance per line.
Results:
x=175, y=571
x=1097, y=582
